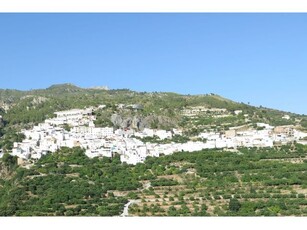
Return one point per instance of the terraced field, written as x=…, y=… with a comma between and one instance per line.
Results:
x=261, y=182
x=246, y=182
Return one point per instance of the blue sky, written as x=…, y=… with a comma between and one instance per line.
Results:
x=252, y=57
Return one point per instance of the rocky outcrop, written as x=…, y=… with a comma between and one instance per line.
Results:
x=5, y=173
x=127, y=122
x=139, y=122
x=4, y=106
x=36, y=99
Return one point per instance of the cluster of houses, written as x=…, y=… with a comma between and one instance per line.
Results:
x=52, y=135
x=267, y=136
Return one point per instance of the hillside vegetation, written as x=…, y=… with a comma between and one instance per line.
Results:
x=251, y=182
x=21, y=109
x=238, y=182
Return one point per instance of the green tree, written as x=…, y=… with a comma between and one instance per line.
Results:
x=234, y=205
x=172, y=211
x=9, y=161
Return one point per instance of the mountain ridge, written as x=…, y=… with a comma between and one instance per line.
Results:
x=23, y=108
x=61, y=88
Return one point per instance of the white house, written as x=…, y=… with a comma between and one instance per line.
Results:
x=177, y=132
x=107, y=131
x=237, y=112
x=148, y=132
x=163, y=134
x=287, y=117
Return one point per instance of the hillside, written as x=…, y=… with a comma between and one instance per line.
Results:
x=21, y=105
x=23, y=109
x=250, y=182
x=218, y=181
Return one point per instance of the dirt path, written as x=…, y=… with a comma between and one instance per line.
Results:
x=239, y=178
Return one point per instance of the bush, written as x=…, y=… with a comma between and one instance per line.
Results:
x=234, y=205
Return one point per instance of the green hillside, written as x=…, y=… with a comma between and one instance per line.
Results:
x=36, y=105
x=243, y=182
x=251, y=182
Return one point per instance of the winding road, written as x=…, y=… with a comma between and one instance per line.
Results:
x=125, y=213
x=126, y=208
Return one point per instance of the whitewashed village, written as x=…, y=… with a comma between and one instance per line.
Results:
x=51, y=135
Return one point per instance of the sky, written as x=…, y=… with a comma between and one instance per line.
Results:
x=254, y=58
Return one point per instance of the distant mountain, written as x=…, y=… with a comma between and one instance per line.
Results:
x=67, y=87
x=63, y=86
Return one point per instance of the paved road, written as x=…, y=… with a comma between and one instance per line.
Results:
x=126, y=208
